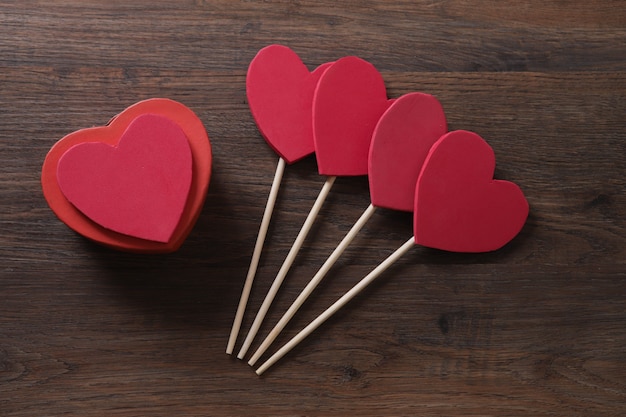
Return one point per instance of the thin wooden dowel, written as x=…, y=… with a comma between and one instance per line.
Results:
x=312, y=284
x=337, y=305
x=256, y=255
x=282, y=273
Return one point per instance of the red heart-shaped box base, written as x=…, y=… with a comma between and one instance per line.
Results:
x=110, y=135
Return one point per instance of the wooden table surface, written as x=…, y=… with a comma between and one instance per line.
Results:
x=537, y=328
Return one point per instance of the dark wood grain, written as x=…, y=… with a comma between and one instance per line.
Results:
x=535, y=329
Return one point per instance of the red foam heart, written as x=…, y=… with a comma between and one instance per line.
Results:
x=400, y=143
x=349, y=99
x=138, y=187
x=110, y=135
x=280, y=91
x=459, y=207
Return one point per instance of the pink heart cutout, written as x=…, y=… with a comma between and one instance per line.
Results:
x=349, y=99
x=400, y=143
x=280, y=91
x=459, y=207
x=139, y=187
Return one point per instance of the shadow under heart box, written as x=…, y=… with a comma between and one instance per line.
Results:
x=137, y=184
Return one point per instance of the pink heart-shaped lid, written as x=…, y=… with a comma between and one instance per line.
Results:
x=349, y=99
x=400, y=143
x=459, y=207
x=138, y=187
x=280, y=91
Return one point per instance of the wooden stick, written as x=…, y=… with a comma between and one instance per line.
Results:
x=337, y=305
x=312, y=284
x=291, y=256
x=258, y=248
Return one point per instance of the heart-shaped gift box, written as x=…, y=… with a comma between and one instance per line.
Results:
x=137, y=184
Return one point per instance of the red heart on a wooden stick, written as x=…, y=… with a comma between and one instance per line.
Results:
x=401, y=141
x=348, y=102
x=459, y=207
x=125, y=144
x=280, y=91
